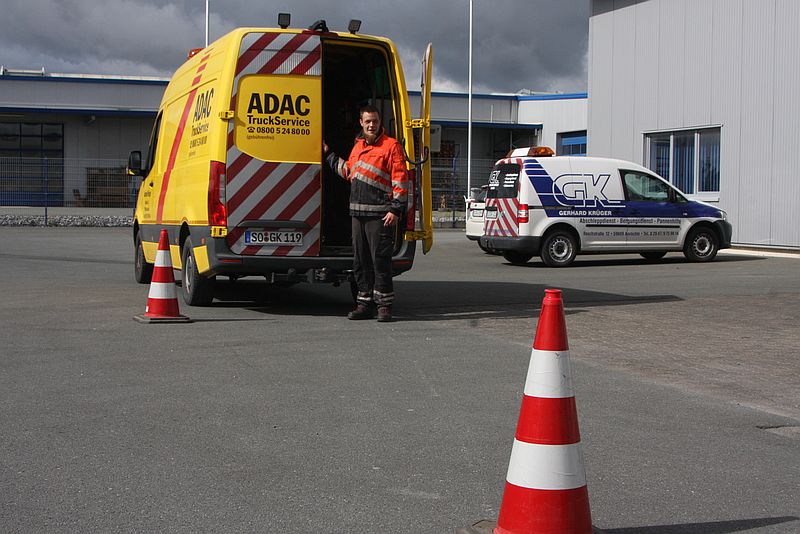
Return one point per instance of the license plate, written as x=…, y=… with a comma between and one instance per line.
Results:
x=258, y=237
x=491, y=214
x=476, y=214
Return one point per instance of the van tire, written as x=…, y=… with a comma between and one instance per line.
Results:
x=701, y=245
x=653, y=255
x=488, y=250
x=559, y=249
x=142, y=271
x=197, y=290
x=517, y=258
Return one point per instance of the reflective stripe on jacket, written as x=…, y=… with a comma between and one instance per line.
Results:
x=377, y=174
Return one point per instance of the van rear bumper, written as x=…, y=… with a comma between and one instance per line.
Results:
x=313, y=268
x=526, y=244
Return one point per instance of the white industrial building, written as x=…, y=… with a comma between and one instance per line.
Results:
x=704, y=92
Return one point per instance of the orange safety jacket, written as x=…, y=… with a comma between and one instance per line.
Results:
x=377, y=174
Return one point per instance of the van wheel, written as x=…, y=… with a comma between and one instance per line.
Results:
x=559, y=249
x=517, y=258
x=197, y=290
x=653, y=256
x=142, y=271
x=488, y=250
x=701, y=244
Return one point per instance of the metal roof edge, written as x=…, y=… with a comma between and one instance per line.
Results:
x=496, y=125
x=86, y=78
x=80, y=111
x=509, y=96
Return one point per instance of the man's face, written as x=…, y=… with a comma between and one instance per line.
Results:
x=371, y=125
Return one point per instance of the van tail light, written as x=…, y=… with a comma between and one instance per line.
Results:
x=522, y=213
x=217, y=214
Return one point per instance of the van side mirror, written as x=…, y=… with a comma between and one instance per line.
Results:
x=135, y=163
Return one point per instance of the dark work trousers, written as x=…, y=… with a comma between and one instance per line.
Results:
x=372, y=260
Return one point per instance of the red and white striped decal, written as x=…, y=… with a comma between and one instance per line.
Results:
x=505, y=225
x=259, y=190
x=546, y=481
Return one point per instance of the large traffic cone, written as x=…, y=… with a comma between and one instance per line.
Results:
x=546, y=482
x=162, y=301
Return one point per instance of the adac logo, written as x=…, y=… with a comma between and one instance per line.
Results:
x=269, y=103
x=582, y=191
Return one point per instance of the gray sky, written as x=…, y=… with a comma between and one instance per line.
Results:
x=539, y=45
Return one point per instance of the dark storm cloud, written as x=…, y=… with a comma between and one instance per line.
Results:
x=517, y=44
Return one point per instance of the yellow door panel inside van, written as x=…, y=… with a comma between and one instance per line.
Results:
x=279, y=117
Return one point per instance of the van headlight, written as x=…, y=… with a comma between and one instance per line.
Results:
x=723, y=215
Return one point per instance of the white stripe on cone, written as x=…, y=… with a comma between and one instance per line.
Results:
x=546, y=467
x=549, y=375
x=163, y=259
x=162, y=290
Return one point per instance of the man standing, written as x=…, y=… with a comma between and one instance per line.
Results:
x=378, y=179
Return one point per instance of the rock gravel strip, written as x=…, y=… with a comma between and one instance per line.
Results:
x=66, y=220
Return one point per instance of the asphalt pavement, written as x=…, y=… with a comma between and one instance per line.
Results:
x=273, y=413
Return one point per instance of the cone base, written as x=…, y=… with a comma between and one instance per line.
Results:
x=156, y=319
x=534, y=511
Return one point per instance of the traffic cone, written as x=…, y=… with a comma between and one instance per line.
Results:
x=545, y=488
x=162, y=301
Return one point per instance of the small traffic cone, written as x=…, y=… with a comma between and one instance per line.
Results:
x=162, y=301
x=545, y=488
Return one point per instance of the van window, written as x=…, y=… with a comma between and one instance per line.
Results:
x=151, y=151
x=640, y=186
x=503, y=181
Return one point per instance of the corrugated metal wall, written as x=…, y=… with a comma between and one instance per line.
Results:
x=555, y=116
x=671, y=64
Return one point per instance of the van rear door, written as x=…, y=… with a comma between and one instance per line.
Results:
x=425, y=179
x=274, y=147
x=500, y=215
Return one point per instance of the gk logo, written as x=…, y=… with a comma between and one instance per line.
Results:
x=582, y=190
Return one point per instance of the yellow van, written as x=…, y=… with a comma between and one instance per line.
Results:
x=235, y=170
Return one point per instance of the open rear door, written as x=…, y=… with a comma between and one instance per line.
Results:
x=274, y=146
x=424, y=152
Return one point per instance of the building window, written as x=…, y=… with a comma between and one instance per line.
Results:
x=689, y=159
x=30, y=140
x=31, y=164
x=571, y=144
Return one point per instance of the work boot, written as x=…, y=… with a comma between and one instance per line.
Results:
x=384, y=314
x=362, y=311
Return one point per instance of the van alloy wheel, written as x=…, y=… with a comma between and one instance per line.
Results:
x=701, y=245
x=559, y=249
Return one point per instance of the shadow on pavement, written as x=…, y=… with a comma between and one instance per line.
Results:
x=715, y=527
x=589, y=260
x=419, y=300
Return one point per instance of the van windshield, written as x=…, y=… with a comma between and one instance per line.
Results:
x=503, y=181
